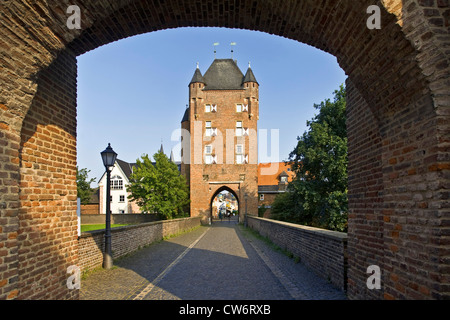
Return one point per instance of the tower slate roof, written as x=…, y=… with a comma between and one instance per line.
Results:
x=223, y=74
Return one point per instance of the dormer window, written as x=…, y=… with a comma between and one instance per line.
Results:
x=116, y=183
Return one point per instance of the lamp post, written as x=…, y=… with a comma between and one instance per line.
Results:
x=109, y=158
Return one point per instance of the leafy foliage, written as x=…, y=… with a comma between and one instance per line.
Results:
x=84, y=190
x=318, y=194
x=159, y=188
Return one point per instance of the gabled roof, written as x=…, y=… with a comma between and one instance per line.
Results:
x=223, y=74
x=126, y=167
x=270, y=173
x=284, y=174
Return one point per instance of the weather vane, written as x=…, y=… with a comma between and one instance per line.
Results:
x=215, y=45
x=232, y=44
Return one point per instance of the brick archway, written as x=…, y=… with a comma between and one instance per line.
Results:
x=397, y=122
x=234, y=191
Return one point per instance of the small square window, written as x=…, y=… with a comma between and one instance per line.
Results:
x=208, y=159
x=121, y=198
x=208, y=108
x=239, y=149
x=208, y=149
x=239, y=108
x=261, y=197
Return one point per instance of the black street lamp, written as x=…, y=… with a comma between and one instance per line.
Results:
x=109, y=158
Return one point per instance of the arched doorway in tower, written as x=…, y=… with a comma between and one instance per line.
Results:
x=224, y=205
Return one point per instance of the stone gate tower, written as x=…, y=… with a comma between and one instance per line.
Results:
x=220, y=150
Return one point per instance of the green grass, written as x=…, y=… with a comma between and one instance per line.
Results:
x=92, y=227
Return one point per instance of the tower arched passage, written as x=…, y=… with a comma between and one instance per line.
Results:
x=219, y=191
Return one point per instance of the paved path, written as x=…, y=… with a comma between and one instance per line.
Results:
x=222, y=262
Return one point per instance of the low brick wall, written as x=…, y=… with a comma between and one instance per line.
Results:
x=127, y=239
x=118, y=218
x=324, y=251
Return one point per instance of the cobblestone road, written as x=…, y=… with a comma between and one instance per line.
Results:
x=221, y=262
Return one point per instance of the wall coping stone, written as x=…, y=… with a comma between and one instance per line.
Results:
x=87, y=234
x=340, y=236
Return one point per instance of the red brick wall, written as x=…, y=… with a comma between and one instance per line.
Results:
x=365, y=190
x=303, y=242
x=127, y=239
x=89, y=209
x=47, y=235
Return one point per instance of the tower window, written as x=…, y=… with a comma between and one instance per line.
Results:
x=210, y=108
x=239, y=108
x=208, y=155
x=239, y=149
x=208, y=128
x=239, y=131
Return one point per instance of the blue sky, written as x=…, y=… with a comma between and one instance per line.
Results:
x=133, y=93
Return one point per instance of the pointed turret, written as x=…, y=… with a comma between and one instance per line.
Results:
x=249, y=76
x=197, y=78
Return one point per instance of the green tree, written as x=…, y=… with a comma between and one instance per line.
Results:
x=159, y=188
x=84, y=190
x=319, y=190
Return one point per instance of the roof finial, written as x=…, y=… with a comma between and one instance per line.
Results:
x=249, y=65
x=197, y=66
x=232, y=44
x=215, y=45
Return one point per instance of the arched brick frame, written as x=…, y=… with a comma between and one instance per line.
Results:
x=397, y=118
x=235, y=191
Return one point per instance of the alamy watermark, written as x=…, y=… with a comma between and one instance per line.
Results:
x=74, y=280
x=74, y=20
x=374, y=281
x=374, y=21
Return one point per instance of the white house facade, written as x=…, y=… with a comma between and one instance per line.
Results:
x=120, y=175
